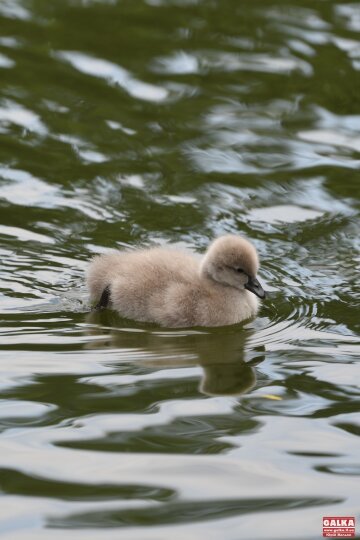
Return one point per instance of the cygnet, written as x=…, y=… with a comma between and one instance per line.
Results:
x=175, y=288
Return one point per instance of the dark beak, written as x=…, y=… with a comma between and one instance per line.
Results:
x=254, y=286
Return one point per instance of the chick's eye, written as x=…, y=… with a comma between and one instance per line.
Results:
x=240, y=270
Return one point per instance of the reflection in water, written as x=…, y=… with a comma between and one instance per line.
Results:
x=227, y=364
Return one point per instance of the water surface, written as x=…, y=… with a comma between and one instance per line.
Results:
x=153, y=122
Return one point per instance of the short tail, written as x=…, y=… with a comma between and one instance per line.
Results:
x=104, y=301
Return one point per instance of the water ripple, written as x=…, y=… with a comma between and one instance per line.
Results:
x=114, y=75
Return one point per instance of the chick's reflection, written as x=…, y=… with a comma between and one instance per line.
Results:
x=222, y=353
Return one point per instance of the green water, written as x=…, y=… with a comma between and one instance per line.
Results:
x=174, y=121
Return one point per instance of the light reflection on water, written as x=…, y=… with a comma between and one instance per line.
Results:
x=142, y=123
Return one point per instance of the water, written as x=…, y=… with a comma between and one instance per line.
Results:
x=173, y=121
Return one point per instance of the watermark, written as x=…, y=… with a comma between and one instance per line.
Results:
x=339, y=527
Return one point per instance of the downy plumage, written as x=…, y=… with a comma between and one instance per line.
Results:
x=175, y=289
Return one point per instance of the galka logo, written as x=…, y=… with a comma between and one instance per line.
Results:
x=339, y=527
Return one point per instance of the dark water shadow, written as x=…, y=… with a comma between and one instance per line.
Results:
x=182, y=512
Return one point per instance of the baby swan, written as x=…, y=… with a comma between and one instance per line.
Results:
x=176, y=289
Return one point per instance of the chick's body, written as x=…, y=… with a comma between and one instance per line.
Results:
x=168, y=287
